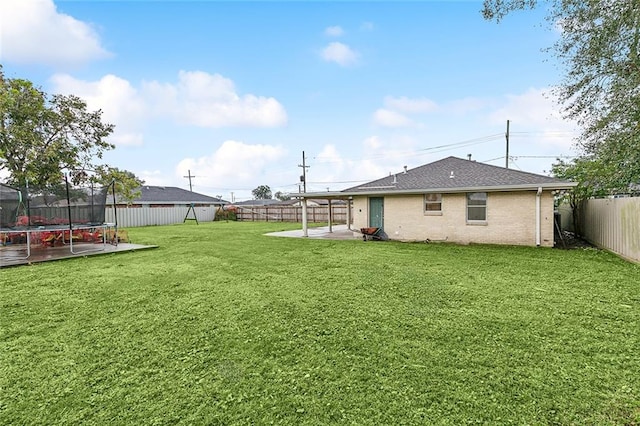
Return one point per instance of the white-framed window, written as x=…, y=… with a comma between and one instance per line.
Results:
x=433, y=203
x=477, y=207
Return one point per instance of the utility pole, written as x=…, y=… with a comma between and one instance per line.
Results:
x=506, y=160
x=189, y=175
x=303, y=178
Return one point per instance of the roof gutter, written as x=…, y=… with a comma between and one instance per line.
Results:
x=497, y=188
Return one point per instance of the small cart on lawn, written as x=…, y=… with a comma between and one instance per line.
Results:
x=372, y=233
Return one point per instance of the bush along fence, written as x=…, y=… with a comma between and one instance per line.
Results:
x=315, y=214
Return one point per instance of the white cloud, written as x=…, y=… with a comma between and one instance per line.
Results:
x=330, y=166
x=466, y=105
x=335, y=31
x=387, y=118
x=532, y=107
x=234, y=161
x=394, y=113
x=210, y=100
x=372, y=143
x=538, y=115
x=197, y=99
x=155, y=178
x=408, y=105
x=379, y=158
x=340, y=53
x=120, y=103
x=33, y=31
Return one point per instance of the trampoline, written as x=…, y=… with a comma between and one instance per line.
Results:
x=62, y=215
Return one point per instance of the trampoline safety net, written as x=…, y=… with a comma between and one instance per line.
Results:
x=59, y=205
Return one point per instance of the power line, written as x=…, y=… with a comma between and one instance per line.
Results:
x=544, y=156
x=437, y=148
x=545, y=132
x=516, y=157
x=339, y=181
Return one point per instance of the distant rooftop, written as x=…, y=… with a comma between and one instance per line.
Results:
x=172, y=194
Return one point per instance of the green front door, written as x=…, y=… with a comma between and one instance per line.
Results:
x=376, y=212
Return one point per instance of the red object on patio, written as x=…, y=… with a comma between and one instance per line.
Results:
x=371, y=233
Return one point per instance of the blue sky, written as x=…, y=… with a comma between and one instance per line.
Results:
x=235, y=91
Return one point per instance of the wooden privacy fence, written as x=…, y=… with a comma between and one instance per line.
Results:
x=613, y=224
x=291, y=214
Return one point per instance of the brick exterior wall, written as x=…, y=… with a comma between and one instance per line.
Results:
x=511, y=219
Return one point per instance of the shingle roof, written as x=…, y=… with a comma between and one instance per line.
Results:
x=172, y=194
x=455, y=174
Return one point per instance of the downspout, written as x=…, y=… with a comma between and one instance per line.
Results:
x=538, y=216
x=305, y=232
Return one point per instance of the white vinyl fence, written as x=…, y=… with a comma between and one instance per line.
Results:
x=129, y=217
x=614, y=224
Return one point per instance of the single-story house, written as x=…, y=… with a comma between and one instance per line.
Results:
x=169, y=196
x=456, y=200
x=163, y=205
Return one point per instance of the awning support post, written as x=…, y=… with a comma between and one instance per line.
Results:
x=305, y=232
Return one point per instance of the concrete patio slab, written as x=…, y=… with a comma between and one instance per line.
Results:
x=340, y=232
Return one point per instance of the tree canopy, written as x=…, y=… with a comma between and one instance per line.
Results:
x=262, y=192
x=42, y=135
x=599, y=48
x=127, y=184
x=282, y=196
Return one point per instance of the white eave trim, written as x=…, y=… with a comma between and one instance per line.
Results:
x=553, y=186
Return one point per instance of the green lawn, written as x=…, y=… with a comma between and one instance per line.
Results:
x=222, y=325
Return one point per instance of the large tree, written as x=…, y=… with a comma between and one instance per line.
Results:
x=42, y=135
x=262, y=192
x=599, y=48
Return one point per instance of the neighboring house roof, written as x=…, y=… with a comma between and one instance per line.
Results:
x=452, y=174
x=172, y=195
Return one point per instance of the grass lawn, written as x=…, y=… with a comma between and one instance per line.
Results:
x=222, y=325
